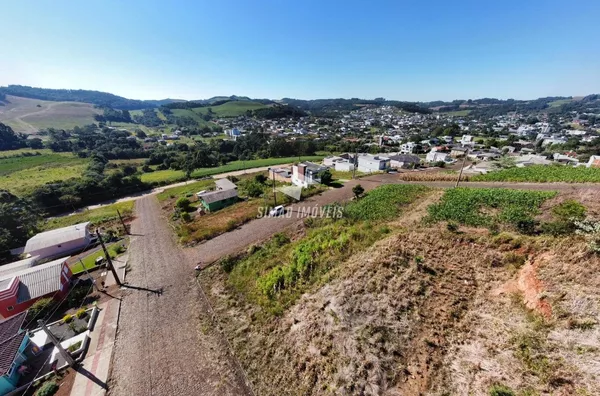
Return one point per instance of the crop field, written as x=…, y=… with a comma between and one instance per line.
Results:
x=488, y=207
x=98, y=216
x=30, y=115
x=543, y=174
x=385, y=202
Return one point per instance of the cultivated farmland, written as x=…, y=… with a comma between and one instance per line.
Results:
x=543, y=174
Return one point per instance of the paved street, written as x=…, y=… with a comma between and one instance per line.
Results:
x=161, y=346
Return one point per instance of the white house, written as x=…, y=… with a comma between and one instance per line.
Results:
x=60, y=242
x=372, y=163
x=436, y=156
x=344, y=165
x=307, y=173
x=594, y=161
x=408, y=148
x=467, y=141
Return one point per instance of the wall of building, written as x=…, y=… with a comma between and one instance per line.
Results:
x=214, y=206
x=63, y=249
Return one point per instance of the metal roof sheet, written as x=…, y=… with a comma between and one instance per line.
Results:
x=8, y=269
x=11, y=337
x=220, y=195
x=225, y=184
x=37, y=281
x=56, y=237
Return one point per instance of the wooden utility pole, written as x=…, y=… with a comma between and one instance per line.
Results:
x=462, y=167
x=108, y=259
x=56, y=343
x=123, y=223
x=355, y=164
x=274, y=193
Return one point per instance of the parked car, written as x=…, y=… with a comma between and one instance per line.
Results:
x=277, y=210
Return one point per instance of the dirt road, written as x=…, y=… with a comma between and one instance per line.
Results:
x=165, y=342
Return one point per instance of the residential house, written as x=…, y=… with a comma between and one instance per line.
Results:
x=408, y=148
x=25, y=283
x=467, y=141
x=13, y=342
x=436, y=156
x=346, y=165
x=60, y=242
x=488, y=156
x=306, y=173
x=404, y=161
x=281, y=174
x=594, y=162
x=372, y=163
x=565, y=158
x=225, y=194
x=522, y=161
x=458, y=152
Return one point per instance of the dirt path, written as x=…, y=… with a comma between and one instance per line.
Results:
x=165, y=343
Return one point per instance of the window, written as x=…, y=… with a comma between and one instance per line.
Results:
x=59, y=246
x=10, y=308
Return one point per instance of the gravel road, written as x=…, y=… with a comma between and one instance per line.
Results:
x=165, y=342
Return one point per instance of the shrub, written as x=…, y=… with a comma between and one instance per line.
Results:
x=228, y=263
x=501, y=390
x=326, y=177
x=74, y=347
x=119, y=249
x=254, y=189
x=183, y=204
x=185, y=216
x=280, y=239
x=569, y=210
x=47, y=389
x=358, y=190
x=260, y=178
x=81, y=313
x=68, y=318
x=41, y=308
x=452, y=226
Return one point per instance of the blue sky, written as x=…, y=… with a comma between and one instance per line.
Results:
x=405, y=50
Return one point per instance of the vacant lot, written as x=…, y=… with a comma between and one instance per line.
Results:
x=30, y=115
x=104, y=216
x=47, y=160
x=543, y=174
x=425, y=310
x=24, y=181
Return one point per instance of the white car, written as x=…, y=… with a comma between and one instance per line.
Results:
x=277, y=210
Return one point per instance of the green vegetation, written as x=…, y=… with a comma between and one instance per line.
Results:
x=89, y=262
x=102, y=215
x=25, y=181
x=230, y=109
x=41, y=308
x=173, y=176
x=186, y=190
x=490, y=207
x=74, y=347
x=276, y=274
x=543, y=174
x=501, y=390
x=48, y=388
x=385, y=202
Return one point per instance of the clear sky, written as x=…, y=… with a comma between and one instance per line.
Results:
x=405, y=50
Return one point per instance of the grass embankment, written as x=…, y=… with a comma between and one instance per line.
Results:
x=103, y=216
x=173, y=176
x=89, y=262
x=187, y=190
x=277, y=273
x=485, y=207
x=543, y=174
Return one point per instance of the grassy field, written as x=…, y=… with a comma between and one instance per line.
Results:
x=489, y=207
x=20, y=152
x=560, y=102
x=89, y=262
x=173, y=176
x=24, y=181
x=15, y=164
x=183, y=191
x=231, y=109
x=458, y=113
x=543, y=174
x=99, y=216
x=196, y=116
x=30, y=115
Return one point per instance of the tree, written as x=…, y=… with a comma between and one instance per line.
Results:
x=326, y=177
x=9, y=140
x=35, y=143
x=140, y=134
x=358, y=190
x=18, y=220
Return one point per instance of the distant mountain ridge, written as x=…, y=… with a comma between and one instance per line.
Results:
x=84, y=96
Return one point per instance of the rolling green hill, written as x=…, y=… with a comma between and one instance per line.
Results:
x=231, y=109
x=31, y=115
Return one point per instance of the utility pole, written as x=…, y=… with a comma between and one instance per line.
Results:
x=110, y=264
x=355, y=164
x=123, y=223
x=274, y=194
x=461, y=168
x=56, y=343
